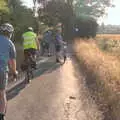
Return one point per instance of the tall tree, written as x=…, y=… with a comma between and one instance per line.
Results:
x=67, y=10
x=21, y=17
x=95, y=8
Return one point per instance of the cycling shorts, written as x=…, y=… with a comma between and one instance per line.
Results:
x=30, y=51
x=58, y=48
x=3, y=79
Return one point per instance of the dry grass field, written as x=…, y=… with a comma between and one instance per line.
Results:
x=109, y=36
x=109, y=43
x=105, y=68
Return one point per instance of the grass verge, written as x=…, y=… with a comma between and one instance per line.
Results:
x=102, y=72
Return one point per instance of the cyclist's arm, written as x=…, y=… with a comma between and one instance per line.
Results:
x=12, y=63
x=60, y=39
x=63, y=42
x=38, y=44
x=12, y=56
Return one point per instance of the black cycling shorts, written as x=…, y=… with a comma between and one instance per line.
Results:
x=58, y=48
x=3, y=79
x=30, y=51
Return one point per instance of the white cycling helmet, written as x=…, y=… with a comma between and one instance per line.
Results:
x=6, y=27
x=30, y=28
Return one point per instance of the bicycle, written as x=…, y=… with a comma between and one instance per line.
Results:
x=62, y=54
x=28, y=67
x=12, y=77
x=65, y=52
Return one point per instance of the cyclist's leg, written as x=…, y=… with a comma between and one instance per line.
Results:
x=24, y=65
x=48, y=49
x=41, y=50
x=65, y=53
x=33, y=53
x=58, y=49
x=3, y=101
x=26, y=54
x=29, y=53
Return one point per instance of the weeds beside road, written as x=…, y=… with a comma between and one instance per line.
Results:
x=103, y=73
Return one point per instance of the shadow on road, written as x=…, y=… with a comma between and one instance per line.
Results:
x=15, y=91
x=45, y=68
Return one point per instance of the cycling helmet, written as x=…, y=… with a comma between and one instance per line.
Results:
x=59, y=25
x=6, y=27
x=76, y=29
x=30, y=28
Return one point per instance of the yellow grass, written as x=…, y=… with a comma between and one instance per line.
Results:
x=105, y=66
x=109, y=36
x=109, y=43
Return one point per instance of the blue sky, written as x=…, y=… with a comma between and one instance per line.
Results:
x=113, y=16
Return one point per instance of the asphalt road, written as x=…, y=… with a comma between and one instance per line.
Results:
x=60, y=93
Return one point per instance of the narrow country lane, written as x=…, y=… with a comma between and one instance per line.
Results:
x=59, y=94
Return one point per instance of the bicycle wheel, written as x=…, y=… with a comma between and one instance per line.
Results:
x=65, y=58
x=28, y=74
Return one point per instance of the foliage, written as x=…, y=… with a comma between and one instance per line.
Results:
x=95, y=8
x=55, y=11
x=3, y=6
x=66, y=11
x=21, y=17
x=51, y=12
x=4, y=10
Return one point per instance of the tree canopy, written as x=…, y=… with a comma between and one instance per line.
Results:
x=3, y=6
x=21, y=17
x=4, y=10
x=67, y=11
x=50, y=12
x=94, y=8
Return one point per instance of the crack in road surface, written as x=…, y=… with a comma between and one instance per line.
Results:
x=59, y=94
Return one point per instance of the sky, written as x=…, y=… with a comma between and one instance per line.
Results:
x=29, y=3
x=113, y=16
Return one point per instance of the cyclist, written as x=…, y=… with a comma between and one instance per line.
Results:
x=30, y=44
x=45, y=42
x=7, y=55
x=48, y=41
x=58, y=42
